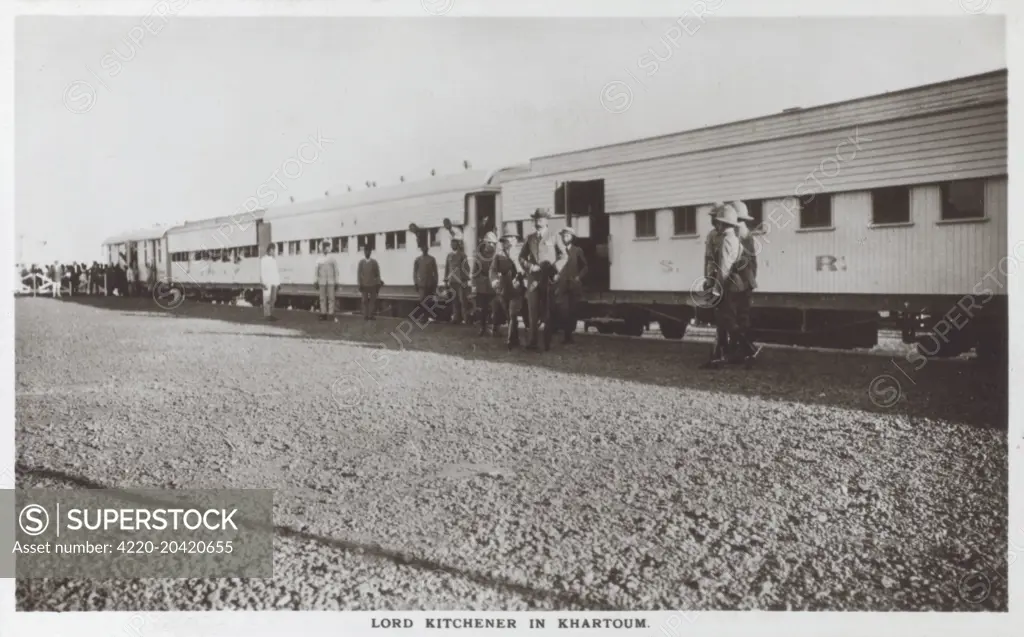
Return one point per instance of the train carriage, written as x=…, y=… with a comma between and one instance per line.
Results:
x=470, y=201
x=893, y=203
x=216, y=258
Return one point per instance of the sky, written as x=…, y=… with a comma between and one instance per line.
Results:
x=113, y=135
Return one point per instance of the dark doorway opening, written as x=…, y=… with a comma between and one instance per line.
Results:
x=486, y=219
x=585, y=200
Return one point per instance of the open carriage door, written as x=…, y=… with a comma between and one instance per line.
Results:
x=480, y=218
x=582, y=204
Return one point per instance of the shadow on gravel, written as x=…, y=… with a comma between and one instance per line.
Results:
x=959, y=391
x=562, y=600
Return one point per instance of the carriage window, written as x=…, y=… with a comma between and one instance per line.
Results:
x=391, y=240
x=816, y=211
x=435, y=241
x=645, y=224
x=684, y=221
x=367, y=239
x=756, y=210
x=890, y=205
x=280, y=248
x=294, y=247
x=339, y=244
x=314, y=246
x=963, y=199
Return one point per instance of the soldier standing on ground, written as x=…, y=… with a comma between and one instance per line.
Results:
x=507, y=281
x=537, y=260
x=326, y=280
x=712, y=250
x=746, y=271
x=482, y=282
x=368, y=275
x=424, y=273
x=455, y=271
x=731, y=283
x=568, y=285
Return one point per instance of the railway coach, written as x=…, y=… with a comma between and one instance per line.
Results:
x=381, y=218
x=217, y=259
x=892, y=205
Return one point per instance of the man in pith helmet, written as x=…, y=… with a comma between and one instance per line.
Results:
x=712, y=250
x=456, y=277
x=746, y=271
x=730, y=282
x=482, y=281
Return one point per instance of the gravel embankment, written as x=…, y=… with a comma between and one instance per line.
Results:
x=610, y=475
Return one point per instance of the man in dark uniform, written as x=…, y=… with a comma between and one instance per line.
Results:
x=537, y=260
x=482, y=281
x=370, y=283
x=568, y=284
x=424, y=273
x=507, y=281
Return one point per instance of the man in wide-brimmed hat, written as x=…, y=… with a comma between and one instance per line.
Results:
x=569, y=282
x=456, y=277
x=507, y=281
x=537, y=259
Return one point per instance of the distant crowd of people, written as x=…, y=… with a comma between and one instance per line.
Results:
x=73, y=278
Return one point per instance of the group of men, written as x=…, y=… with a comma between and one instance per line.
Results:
x=325, y=281
x=730, y=276
x=539, y=279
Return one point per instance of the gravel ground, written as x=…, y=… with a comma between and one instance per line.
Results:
x=612, y=474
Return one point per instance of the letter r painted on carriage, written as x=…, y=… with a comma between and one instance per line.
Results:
x=830, y=263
